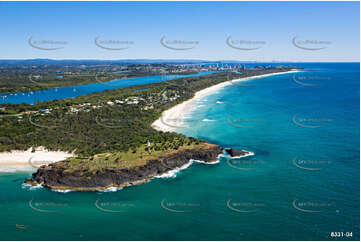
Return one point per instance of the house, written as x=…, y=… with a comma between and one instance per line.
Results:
x=74, y=110
x=47, y=111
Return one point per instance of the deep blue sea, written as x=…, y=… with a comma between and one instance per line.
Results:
x=302, y=183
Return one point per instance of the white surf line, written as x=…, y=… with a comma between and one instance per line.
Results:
x=172, y=118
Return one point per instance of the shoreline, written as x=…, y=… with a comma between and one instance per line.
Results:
x=171, y=119
x=113, y=187
x=167, y=165
x=26, y=160
x=30, y=160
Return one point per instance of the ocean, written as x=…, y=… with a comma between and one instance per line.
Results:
x=302, y=183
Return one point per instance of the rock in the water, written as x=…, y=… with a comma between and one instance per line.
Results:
x=55, y=176
x=235, y=152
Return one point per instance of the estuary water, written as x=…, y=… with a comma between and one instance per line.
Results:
x=75, y=91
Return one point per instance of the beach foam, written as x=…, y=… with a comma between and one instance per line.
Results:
x=61, y=191
x=207, y=163
x=31, y=187
x=173, y=173
x=208, y=120
x=171, y=119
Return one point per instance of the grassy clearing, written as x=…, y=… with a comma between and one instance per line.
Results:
x=128, y=159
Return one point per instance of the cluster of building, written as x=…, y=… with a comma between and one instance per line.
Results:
x=158, y=68
x=147, y=103
x=178, y=68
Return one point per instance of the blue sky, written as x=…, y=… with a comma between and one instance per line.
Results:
x=268, y=26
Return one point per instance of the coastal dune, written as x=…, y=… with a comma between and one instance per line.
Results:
x=172, y=119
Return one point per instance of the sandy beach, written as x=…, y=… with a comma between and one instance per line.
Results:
x=172, y=119
x=18, y=160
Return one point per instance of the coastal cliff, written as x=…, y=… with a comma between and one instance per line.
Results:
x=118, y=151
x=57, y=177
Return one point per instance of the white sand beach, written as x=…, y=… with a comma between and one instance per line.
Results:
x=172, y=119
x=18, y=160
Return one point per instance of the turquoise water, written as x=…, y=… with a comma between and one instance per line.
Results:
x=301, y=184
x=75, y=91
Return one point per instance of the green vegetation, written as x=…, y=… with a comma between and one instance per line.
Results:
x=25, y=82
x=125, y=159
x=25, y=76
x=112, y=127
x=99, y=127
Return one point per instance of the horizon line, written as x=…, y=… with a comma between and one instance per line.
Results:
x=156, y=59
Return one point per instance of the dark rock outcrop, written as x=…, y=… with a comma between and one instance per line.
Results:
x=56, y=176
x=235, y=153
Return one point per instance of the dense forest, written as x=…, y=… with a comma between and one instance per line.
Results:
x=111, y=121
x=117, y=127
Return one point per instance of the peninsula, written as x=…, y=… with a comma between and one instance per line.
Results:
x=115, y=136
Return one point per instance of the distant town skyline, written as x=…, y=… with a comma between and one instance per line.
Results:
x=210, y=31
